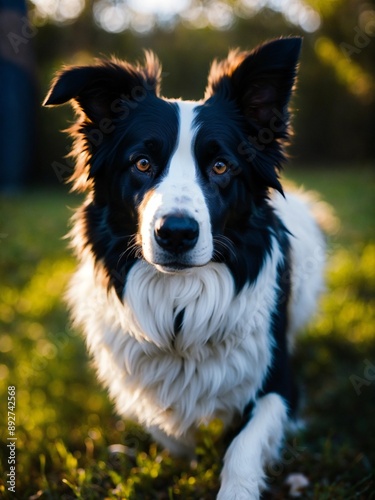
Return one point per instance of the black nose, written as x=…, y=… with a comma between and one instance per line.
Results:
x=176, y=233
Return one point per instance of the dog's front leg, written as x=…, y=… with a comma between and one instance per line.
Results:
x=242, y=477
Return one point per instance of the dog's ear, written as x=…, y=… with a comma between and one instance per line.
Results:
x=99, y=91
x=260, y=81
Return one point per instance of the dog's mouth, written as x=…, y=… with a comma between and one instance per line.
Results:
x=172, y=267
x=175, y=267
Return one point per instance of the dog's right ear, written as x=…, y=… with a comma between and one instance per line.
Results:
x=100, y=91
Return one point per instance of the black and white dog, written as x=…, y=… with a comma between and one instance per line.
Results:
x=195, y=269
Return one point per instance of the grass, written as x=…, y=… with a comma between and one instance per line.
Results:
x=71, y=444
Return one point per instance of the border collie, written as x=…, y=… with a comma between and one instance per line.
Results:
x=196, y=270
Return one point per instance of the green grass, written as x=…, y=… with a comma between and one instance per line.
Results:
x=66, y=424
x=350, y=189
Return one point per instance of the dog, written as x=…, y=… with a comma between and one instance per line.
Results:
x=196, y=269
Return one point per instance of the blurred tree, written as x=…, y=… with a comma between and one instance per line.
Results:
x=335, y=105
x=17, y=95
x=339, y=82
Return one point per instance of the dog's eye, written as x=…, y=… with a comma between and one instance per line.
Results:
x=143, y=165
x=220, y=168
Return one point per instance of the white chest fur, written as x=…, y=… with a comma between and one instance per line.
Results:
x=211, y=368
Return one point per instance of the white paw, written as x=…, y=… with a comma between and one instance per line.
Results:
x=234, y=491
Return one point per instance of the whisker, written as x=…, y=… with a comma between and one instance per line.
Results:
x=132, y=248
x=225, y=244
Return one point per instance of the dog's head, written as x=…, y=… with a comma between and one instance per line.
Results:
x=179, y=183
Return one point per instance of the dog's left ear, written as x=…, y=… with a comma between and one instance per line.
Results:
x=260, y=81
x=99, y=90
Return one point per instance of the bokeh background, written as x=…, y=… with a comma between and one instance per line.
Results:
x=70, y=443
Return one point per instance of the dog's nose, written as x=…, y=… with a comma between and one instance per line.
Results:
x=176, y=233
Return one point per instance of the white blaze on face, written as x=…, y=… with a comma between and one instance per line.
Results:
x=178, y=193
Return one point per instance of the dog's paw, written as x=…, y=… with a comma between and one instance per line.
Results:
x=234, y=490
